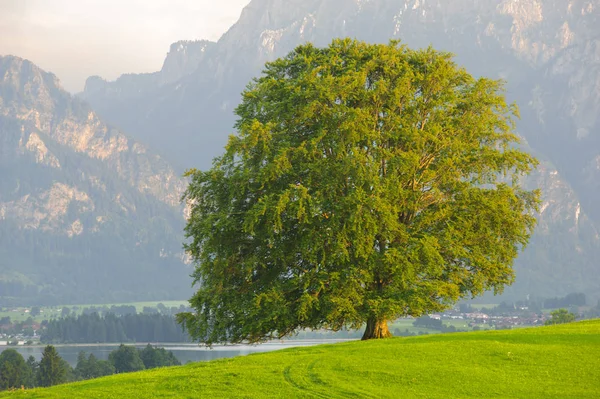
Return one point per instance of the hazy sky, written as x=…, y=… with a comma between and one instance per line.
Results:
x=78, y=38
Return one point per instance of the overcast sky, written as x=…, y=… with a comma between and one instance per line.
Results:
x=78, y=38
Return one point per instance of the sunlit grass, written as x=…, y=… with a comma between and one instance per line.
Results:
x=560, y=361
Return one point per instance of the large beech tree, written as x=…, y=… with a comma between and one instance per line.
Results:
x=366, y=182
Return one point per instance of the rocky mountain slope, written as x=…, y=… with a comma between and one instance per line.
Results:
x=86, y=213
x=149, y=93
x=547, y=50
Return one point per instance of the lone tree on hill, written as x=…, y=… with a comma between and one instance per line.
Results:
x=366, y=182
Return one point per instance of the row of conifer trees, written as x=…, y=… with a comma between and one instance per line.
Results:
x=110, y=328
x=18, y=373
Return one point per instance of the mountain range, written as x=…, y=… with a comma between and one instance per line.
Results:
x=87, y=214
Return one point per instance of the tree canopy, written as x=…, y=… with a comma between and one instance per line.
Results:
x=126, y=359
x=13, y=370
x=365, y=182
x=560, y=316
x=52, y=369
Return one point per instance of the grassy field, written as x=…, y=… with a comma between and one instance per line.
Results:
x=548, y=362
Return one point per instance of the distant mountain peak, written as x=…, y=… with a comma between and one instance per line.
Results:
x=190, y=45
x=183, y=58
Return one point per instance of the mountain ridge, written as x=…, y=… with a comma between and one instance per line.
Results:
x=86, y=213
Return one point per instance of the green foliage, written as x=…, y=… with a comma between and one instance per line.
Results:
x=366, y=182
x=123, y=360
x=126, y=359
x=93, y=328
x=157, y=357
x=52, y=369
x=32, y=366
x=13, y=370
x=428, y=322
x=548, y=362
x=90, y=367
x=560, y=316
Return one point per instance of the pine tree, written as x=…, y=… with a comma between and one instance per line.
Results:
x=32, y=366
x=13, y=370
x=51, y=370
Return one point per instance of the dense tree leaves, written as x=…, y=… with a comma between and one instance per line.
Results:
x=158, y=357
x=366, y=182
x=126, y=359
x=32, y=366
x=14, y=372
x=132, y=327
x=560, y=316
x=52, y=369
x=90, y=367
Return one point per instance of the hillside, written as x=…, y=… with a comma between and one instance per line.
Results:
x=86, y=213
x=548, y=362
x=548, y=51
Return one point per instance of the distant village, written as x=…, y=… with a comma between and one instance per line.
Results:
x=517, y=318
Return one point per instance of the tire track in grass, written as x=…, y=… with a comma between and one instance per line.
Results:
x=306, y=379
x=287, y=375
x=339, y=392
x=332, y=392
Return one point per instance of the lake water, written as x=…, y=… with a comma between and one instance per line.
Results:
x=184, y=352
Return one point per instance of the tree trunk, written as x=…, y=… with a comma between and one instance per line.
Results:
x=376, y=329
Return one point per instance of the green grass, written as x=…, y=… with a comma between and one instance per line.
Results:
x=560, y=361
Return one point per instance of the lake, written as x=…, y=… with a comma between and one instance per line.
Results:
x=184, y=352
